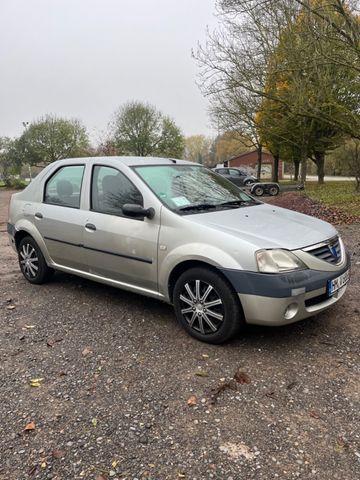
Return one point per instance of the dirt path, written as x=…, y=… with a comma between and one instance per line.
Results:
x=117, y=372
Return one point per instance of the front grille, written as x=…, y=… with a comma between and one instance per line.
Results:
x=329, y=251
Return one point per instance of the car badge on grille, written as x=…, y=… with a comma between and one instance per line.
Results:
x=333, y=251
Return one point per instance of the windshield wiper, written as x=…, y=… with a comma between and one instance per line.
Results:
x=237, y=203
x=199, y=206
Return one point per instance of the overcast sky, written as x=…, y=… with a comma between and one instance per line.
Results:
x=84, y=58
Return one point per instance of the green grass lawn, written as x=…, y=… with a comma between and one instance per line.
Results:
x=340, y=195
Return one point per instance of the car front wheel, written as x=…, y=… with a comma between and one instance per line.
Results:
x=32, y=262
x=206, y=306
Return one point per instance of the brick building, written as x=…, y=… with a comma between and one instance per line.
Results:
x=249, y=159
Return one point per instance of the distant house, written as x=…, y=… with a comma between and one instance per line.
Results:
x=249, y=159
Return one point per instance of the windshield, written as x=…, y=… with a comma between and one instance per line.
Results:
x=190, y=188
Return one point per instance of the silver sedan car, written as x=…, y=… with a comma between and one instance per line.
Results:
x=176, y=231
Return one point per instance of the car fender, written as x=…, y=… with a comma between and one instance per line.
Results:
x=209, y=254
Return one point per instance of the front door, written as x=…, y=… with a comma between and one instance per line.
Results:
x=118, y=247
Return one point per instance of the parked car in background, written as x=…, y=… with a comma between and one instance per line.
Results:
x=176, y=231
x=236, y=175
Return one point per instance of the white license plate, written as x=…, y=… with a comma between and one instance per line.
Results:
x=338, y=282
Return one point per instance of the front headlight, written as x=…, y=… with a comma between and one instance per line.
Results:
x=278, y=261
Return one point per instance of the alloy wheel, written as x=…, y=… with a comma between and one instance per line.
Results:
x=29, y=260
x=202, y=307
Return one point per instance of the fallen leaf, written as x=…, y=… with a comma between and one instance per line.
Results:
x=29, y=327
x=201, y=374
x=43, y=465
x=30, y=426
x=10, y=307
x=314, y=414
x=151, y=465
x=36, y=382
x=100, y=477
x=192, y=401
x=205, y=355
x=181, y=475
x=94, y=422
x=215, y=392
x=242, y=377
x=58, y=454
x=86, y=351
x=114, y=463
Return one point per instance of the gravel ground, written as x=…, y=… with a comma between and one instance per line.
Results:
x=121, y=392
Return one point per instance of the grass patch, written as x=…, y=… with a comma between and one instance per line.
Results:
x=340, y=195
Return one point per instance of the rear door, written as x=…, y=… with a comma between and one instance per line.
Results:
x=59, y=217
x=118, y=247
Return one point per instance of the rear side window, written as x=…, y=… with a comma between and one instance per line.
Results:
x=64, y=187
x=234, y=172
x=111, y=189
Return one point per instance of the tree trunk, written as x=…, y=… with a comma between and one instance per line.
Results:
x=296, y=170
x=259, y=161
x=320, y=164
x=275, y=172
x=303, y=168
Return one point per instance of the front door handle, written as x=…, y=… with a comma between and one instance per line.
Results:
x=90, y=226
x=38, y=215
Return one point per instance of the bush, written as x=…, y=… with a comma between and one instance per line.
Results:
x=16, y=183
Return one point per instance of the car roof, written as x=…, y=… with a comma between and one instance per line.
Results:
x=130, y=161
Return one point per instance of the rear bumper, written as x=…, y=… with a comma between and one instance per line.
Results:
x=11, y=230
x=281, y=299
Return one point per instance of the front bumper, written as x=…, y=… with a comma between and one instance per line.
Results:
x=281, y=299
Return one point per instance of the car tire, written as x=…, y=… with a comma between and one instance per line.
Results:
x=206, y=306
x=258, y=191
x=248, y=182
x=274, y=190
x=32, y=262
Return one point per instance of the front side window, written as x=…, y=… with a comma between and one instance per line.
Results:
x=111, y=189
x=64, y=187
x=190, y=188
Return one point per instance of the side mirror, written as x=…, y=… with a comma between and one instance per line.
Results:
x=137, y=211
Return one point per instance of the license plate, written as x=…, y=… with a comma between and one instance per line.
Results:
x=336, y=283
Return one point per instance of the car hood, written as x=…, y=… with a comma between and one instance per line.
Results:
x=266, y=226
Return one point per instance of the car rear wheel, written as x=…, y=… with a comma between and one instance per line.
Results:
x=206, y=306
x=32, y=262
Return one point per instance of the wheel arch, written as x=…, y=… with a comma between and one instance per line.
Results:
x=182, y=267
x=19, y=235
x=24, y=228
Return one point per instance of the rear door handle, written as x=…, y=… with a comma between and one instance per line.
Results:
x=38, y=215
x=90, y=226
